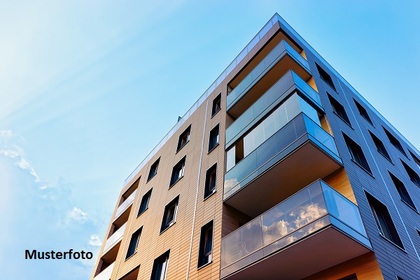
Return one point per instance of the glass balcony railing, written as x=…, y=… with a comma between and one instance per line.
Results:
x=263, y=67
x=106, y=273
x=283, y=142
x=114, y=238
x=274, y=96
x=307, y=212
x=124, y=206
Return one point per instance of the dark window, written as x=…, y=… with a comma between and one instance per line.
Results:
x=325, y=76
x=394, y=141
x=339, y=109
x=177, y=172
x=214, y=138
x=363, y=112
x=206, y=244
x=383, y=220
x=380, y=146
x=169, y=216
x=134, y=242
x=402, y=191
x=184, y=138
x=145, y=202
x=357, y=153
x=415, y=158
x=400, y=278
x=216, y=105
x=350, y=277
x=160, y=267
x=210, y=187
x=412, y=174
x=132, y=274
x=153, y=169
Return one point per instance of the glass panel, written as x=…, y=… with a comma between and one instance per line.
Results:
x=230, y=158
x=320, y=135
x=309, y=111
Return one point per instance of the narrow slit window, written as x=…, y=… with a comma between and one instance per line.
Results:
x=210, y=186
x=134, y=242
x=153, y=169
x=216, y=105
x=214, y=138
x=206, y=245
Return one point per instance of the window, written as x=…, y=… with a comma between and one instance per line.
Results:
x=210, y=186
x=325, y=76
x=216, y=105
x=383, y=220
x=412, y=174
x=144, y=204
x=169, y=216
x=415, y=158
x=214, y=138
x=184, y=138
x=394, y=141
x=402, y=191
x=380, y=146
x=206, y=244
x=363, y=112
x=134, y=242
x=177, y=172
x=339, y=109
x=357, y=153
x=160, y=267
x=153, y=169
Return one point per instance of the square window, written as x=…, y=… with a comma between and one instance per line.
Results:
x=169, y=216
x=216, y=105
x=206, y=244
x=210, y=186
x=144, y=204
x=325, y=76
x=160, y=267
x=357, y=153
x=184, y=138
x=153, y=169
x=394, y=141
x=177, y=172
x=363, y=112
x=380, y=146
x=412, y=174
x=214, y=138
x=402, y=191
x=383, y=220
x=339, y=110
x=134, y=242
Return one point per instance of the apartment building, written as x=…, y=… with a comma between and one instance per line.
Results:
x=280, y=170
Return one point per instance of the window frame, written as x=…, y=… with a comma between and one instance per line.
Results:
x=395, y=142
x=178, y=169
x=210, y=186
x=325, y=77
x=205, y=253
x=134, y=243
x=414, y=176
x=214, y=137
x=402, y=191
x=339, y=110
x=144, y=204
x=153, y=170
x=217, y=105
x=380, y=147
x=356, y=153
x=186, y=134
x=160, y=266
x=363, y=112
x=169, y=214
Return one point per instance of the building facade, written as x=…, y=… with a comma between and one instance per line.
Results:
x=281, y=170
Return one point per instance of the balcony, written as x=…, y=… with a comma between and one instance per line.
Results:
x=124, y=206
x=287, y=84
x=106, y=273
x=297, y=154
x=114, y=239
x=280, y=60
x=314, y=229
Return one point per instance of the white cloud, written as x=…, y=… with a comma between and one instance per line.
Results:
x=9, y=153
x=6, y=133
x=76, y=214
x=25, y=165
x=95, y=241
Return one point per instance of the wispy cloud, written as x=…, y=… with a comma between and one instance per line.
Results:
x=95, y=241
x=77, y=215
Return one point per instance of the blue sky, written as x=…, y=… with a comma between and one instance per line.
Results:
x=88, y=88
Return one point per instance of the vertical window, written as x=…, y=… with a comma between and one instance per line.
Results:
x=363, y=112
x=339, y=109
x=383, y=220
x=144, y=204
x=184, y=138
x=153, y=169
x=177, y=172
x=160, y=267
x=325, y=76
x=134, y=242
x=357, y=153
x=214, y=138
x=402, y=191
x=210, y=186
x=206, y=244
x=412, y=174
x=415, y=158
x=169, y=216
x=216, y=105
x=394, y=141
x=380, y=146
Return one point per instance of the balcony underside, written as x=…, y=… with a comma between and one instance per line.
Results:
x=297, y=169
x=319, y=251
